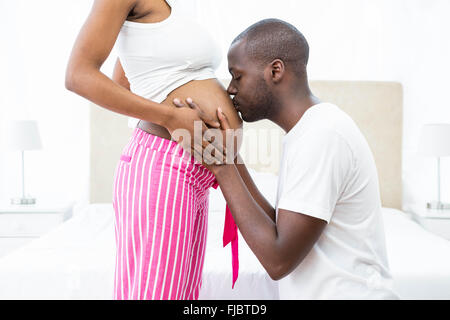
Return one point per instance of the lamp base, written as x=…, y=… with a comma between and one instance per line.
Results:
x=436, y=205
x=23, y=201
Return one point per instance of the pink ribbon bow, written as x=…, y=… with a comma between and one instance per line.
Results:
x=230, y=234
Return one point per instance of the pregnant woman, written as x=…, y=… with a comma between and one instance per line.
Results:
x=160, y=193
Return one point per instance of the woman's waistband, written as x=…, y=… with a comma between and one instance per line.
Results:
x=160, y=144
x=171, y=147
x=154, y=142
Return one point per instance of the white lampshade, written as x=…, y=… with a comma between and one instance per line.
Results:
x=435, y=140
x=23, y=135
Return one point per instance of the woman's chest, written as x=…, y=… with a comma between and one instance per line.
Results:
x=181, y=41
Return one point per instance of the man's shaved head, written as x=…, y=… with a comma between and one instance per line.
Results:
x=272, y=39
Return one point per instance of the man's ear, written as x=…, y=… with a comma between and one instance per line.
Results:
x=277, y=70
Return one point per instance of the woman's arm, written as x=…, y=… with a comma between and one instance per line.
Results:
x=119, y=75
x=93, y=45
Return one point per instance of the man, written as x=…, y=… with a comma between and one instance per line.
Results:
x=324, y=239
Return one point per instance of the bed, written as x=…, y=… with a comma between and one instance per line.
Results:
x=76, y=260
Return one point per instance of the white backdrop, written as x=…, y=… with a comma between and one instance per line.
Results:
x=388, y=40
x=37, y=37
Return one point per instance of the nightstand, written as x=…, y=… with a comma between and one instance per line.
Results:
x=435, y=221
x=20, y=224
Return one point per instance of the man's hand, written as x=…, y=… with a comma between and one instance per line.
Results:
x=228, y=154
x=189, y=127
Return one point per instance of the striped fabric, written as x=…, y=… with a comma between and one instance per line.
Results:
x=160, y=199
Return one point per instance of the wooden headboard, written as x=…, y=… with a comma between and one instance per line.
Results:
x=376, y=107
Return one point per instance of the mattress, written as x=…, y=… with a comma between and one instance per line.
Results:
x=419, y=260
x=74, y=261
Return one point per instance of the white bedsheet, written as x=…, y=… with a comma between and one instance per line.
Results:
x=419, y=260
x=76, y=261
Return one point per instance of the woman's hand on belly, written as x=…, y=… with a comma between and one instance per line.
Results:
x=208, y=96
x=183, y=123
x=212, y=144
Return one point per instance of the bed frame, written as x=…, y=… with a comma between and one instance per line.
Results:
x=376, y=107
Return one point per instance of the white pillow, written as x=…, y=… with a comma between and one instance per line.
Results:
x=266, y=183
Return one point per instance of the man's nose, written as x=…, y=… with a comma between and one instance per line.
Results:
x=231, y=90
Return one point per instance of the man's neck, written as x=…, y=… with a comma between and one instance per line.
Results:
x=292, y=107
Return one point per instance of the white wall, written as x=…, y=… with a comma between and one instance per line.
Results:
x=394, y=40
x=37, y=38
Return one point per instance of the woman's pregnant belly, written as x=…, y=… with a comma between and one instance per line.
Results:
x=208, y=95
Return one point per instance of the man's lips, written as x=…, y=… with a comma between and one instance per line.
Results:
x=236, y=107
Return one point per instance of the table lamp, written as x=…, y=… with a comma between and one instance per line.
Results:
x=23, y=135
x=435, y=141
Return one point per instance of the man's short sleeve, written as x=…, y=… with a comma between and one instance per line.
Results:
x=317, y=168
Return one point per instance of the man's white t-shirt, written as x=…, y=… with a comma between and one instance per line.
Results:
x=327, y=171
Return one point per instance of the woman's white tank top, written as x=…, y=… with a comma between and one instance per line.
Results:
x=160, y=57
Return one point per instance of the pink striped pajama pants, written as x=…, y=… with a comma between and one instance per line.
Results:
x=160, y=199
